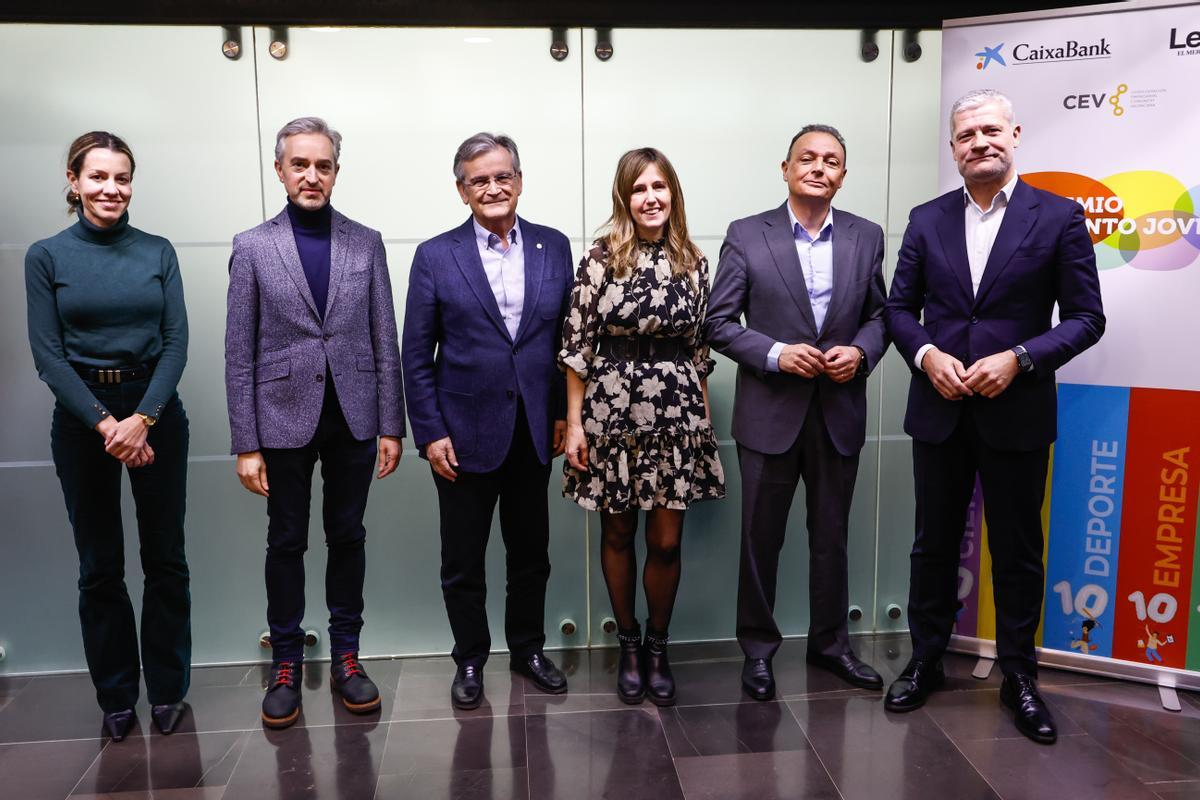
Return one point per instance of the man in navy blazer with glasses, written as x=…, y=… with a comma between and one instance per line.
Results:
x=980, y=271
x=487, y=402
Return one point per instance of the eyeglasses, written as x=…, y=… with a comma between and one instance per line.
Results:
x=503, y=180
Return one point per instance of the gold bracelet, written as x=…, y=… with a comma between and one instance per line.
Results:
x=147, y=419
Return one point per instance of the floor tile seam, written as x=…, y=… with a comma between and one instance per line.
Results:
x=238, y=741
x=91, y=764
x=816, y=753
x=528, y=781
x=965, y=757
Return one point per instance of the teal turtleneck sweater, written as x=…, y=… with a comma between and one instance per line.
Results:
x=105, y=297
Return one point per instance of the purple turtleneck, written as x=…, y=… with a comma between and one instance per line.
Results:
x=312, y=231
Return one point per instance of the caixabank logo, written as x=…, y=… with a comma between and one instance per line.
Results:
x=1026, y=53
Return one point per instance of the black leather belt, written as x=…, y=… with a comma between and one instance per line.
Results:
x=644, y=348
x=115, y=375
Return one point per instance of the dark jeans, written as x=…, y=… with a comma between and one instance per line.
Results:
x=346, y=467
x=467, y=505
x=91, y=483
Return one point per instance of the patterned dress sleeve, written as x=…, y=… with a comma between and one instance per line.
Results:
x=703, y=362
x=582, y=326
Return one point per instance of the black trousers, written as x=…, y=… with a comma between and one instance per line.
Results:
x=346, y=468
x=768, y=486
x=467, y=505
x=91, y=484
x=1014, y=486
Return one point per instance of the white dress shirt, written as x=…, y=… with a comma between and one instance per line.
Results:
x=982, y=225
x=505, y=269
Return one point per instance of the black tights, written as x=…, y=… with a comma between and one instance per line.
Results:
x=660, y=578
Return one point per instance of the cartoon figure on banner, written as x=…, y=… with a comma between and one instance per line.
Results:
x=1152, y=642
x=1084, y=643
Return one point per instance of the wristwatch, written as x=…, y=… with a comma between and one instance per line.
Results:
x=1024, y=360
x=862, y=361
x=147, y=419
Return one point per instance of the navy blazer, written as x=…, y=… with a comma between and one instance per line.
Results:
x=759, y=278
x=1042, y=256
x=463, y=372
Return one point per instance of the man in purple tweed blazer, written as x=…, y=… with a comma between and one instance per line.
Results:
x=312, y=371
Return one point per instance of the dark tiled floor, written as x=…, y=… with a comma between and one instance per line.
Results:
x=821, y=739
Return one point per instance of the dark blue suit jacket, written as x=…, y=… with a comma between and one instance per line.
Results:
x=463, y=372
x=1042, y=256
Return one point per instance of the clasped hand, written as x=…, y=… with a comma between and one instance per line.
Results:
x=126, y=440
x=839, y=363
x=989, y=376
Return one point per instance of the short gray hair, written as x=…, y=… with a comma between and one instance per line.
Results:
x=981, y=97
x=308, y=125
x=817, y=128
x=477, y=145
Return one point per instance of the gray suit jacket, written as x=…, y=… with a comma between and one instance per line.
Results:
x=759, y=278
x=277, y=348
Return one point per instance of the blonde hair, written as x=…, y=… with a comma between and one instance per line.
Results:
x=619, y=234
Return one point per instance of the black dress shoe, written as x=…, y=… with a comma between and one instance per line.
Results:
x=758, y=680
x=849, y=668
x=660, y=682
x=166, y=716
x=466, y=692
x=1030, y=714
x=631, y=669
x=542, y=671
x=118, y=723
x=281, y=705
x=912, y=688
x=347, y=677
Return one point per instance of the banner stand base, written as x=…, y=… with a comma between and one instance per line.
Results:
x=1169, y=698
x=983, y=668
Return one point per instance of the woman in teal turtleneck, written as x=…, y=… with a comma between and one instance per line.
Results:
x=108, y=329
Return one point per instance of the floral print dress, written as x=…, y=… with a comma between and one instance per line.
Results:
x=650, y=444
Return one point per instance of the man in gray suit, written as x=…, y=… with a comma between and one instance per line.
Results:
x=809, y=281
x=312, y=371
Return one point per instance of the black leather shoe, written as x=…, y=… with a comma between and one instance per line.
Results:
x=912, y=688
x=166, y=716
x=849, y=668
x=118, y=723
x=542, y=671
x=1030, y=714
x=281, y=705
x=466, y=692
x=631, y=671
x=348, y=678
x=660, y=683
x=758, y=680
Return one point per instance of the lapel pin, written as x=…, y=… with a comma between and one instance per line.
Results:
x=539, y=245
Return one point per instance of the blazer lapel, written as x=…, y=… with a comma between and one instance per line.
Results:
x=845, y=242
x=534, y=252
x=1018, y=221
x=782, y=244
x=339, y=245
x=952, y=230
x=466, y=255
x=285, y=243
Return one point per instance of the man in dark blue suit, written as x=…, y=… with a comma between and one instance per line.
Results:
x=986, y=265
x=482, y=328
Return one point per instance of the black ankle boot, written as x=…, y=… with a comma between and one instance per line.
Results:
x=660, y=683
x=631, y=681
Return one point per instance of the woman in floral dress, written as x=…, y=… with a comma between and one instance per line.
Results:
x=639, y=435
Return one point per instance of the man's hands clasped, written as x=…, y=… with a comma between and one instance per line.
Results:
x=989, y=376
x=839, y=364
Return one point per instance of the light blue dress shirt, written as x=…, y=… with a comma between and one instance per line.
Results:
x=505, y=271
x=816, y=261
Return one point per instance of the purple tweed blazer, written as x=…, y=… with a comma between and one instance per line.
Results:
x=276, y=347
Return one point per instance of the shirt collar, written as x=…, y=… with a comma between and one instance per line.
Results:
x=999, y=201
x=800, y=232
x=486, y=239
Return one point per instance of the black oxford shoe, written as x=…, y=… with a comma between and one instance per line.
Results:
x=118, y=723
x=1030, y=714
x=758, y=680
x=167, y=716
x=281, y=704
x=849, y=668
x=910, y=691
x=358, y=692
x=466, y=692
x=542, y=671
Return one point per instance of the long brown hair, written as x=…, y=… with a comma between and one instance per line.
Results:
x=619, y=233
x=93, y=140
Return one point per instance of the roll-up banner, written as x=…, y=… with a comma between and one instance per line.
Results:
x=1108, y=100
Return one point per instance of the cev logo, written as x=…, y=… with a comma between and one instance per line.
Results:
x=989, y=54
x=1078, y=102
x=1115, y=100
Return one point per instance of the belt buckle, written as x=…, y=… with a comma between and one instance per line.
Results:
x=116, y=376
